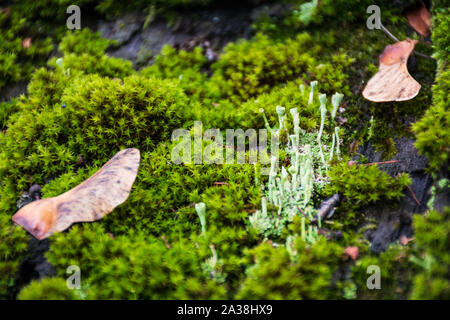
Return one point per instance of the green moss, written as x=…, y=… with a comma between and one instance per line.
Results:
x=432, y=131
x=84, y=52
x=16, y=59
x=85, y=106
x=84, y=41
x=133, y=267
x=93, y=115
x=226, y=114
x=181, y=65
x=273, y=274
x=47, y=289
x=6, y=110
x=329, y=13
x=112, y=8
x=395, y=269
x=249, y=68
x=161, y=204
x=440, y=35
x=13, y=246
x=433, y=257
x=363, y=185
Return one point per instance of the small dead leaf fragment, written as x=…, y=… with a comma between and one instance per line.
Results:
x=404, y=240
x=420, y=19
x=352, y=252
x=393, y=82
x=26, y=43
x=354, y=146
x=89, y=201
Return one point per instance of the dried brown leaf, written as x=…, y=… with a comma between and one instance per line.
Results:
x=89, y=201
x=420, y=19
x=352, y=252
x=393, y=82
x=404, y=240
x=26, y=43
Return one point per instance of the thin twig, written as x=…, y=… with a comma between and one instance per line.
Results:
x=381, y=162
x=303, y=213
x=390, y=35
x=413, y=195
x=423, y=55
x=219, y=183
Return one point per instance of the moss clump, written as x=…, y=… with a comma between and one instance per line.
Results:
x=329, y=13
x=161, y=205
x=183, y=66
x=275, y=274
x=433, y=257
x=226, y=114
x=432, y=131
x=249, y=68
x=13, y=246
x=20, y=48
x=112, y=8
x=395, y=269
x=84, y=42
x=47, y=289
x=433, y=136
x=93, y=115
x=84, y=51
x=363, y=185
x=85, y=106
x=134, y=266
x=440, y=35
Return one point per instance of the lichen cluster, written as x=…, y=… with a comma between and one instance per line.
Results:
x=192, y=231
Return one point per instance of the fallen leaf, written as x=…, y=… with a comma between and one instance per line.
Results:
x=89, y=201
x=404, y=240
x=26, y=43
x=420, y=19
x=392, y=82
x=352, y=252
